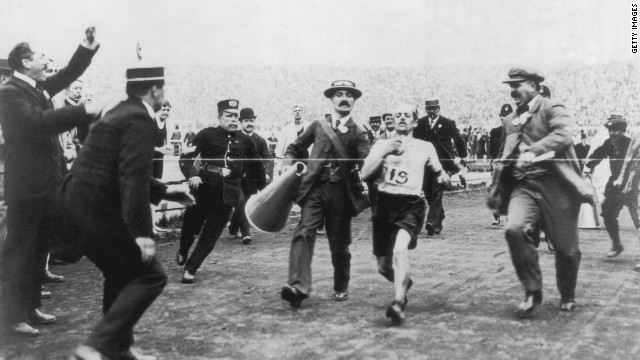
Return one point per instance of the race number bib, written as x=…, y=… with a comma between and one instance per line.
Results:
x=397, y=176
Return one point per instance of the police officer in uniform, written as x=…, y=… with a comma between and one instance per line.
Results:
x=215, y=184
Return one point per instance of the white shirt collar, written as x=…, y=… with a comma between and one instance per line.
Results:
x=533, y=101
x=25, y=78
x=149, y=109
x=391, y=134
x=433, y=122
x=71, y=101
x=246, y=133
x=336, y=117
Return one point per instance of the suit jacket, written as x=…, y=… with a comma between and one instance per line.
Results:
x=612, y=150
x=631, y=166
x=355, y=142
x=372, y=138
x=31, y=128
x=549, y=128
x=441, y=136
x=216, y=144
x=253, y=180
x=111, y=178
x=496, y=139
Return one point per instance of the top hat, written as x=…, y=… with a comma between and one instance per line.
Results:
x=145, y=74
x=506, y=109
x=432, y=103
x=229, y=105
x=343, y=85
x=246, y=113
x=520, y=74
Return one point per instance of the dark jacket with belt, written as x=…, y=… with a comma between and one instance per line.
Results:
x=496, y=140
x=111, y=178
x=31, y=128
x=354, y=140
x=441, y=135
x=214, y=145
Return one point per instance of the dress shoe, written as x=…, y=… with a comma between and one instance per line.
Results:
x=496, y=221
x=341, y=296
x=614, y=252
x=235, y=234
x=293, y=296
x=431, y=230
x=48, y=277
x=438, y=229
x=246, y=240
x=188, y=278
x=39, y=317
x=395, y=313
x=44, y=294
x=24, y=329
x=180, y=259
x=531, y=301
x=84, y=352
x=568, y=305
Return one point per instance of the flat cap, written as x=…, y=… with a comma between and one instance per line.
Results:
x=229, y=105
x=615, y=120
x=375, y=119
x=432, y=103
x=521, y=74
x=145, y=74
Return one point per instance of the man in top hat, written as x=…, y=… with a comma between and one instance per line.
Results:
x=496, y=141
x=615, y=148
x=216, y=184
x=440, y=132
x=375, y=132
x=31, y=127
x=397, y=167
x=540, y=191
x=108, y=192
x=582, y=150
x=327, y=192
x=250, y=183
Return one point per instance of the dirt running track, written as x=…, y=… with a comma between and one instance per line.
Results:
x=461, y=306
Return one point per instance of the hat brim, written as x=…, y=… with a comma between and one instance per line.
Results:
x=246, y=118
x=505, y=113
x=233, y=111
x=329, y=92
x=514, y=80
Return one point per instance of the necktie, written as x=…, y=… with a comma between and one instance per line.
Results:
x=337, y=123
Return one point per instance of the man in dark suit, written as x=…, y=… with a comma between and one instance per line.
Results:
x=582, y=150
x=538, y=191
x=375, y=132
x=615, y=148
x=216, y=185
x=324, y=193
x=496, y=140
x=440, y=132
x=33, y=172
x=108, y=192
x=251, y=183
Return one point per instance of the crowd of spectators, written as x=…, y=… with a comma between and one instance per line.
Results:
x=471, y=96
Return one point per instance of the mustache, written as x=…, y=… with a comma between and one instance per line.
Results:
x=344, y=103
x=514, y=94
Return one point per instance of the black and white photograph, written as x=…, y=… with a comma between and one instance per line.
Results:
x=282, y=179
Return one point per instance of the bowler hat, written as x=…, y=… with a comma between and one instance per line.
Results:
x=615, y=120
x=246, y=113
x=544, y=91
x=520, y=74
x=386, y=114
x=229, y=105
x=145, y=74
x=375, y=119
x=343, y=85
x=432, y=103
x=506, y=109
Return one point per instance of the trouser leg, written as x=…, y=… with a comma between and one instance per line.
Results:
x=524, y=214
x=611, y=207
x=338, y=225
x=303, y=241
x=194, y=218
x=213, y=227
x=23, y=258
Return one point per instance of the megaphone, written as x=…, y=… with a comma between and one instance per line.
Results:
x=269, y=210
